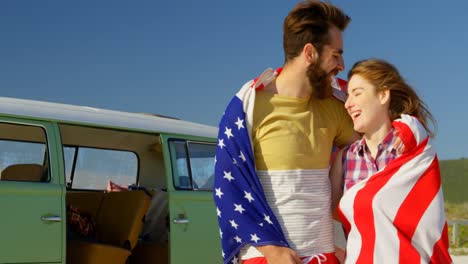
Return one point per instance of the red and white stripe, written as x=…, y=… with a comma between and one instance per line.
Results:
x=397, y=215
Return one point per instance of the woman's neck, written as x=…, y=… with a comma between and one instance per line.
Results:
x=375, y=137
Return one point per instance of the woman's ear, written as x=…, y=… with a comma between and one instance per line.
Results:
x=384, y=96
x=310, y=53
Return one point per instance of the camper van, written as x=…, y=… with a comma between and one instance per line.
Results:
x=88, y=185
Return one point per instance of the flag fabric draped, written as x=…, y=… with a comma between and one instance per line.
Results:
x=244, y=215
x=397, y=215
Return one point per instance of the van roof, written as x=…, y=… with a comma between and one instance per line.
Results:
x=65, y=113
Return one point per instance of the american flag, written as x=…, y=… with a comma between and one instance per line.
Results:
x=397, y=215
x=244, y=215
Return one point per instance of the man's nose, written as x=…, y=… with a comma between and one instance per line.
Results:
x=340, y=64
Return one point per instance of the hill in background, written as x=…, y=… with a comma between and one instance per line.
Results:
x=455, y=180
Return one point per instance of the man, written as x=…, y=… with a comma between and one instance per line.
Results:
x=272, y=189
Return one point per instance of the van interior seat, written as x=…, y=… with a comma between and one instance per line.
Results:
x=154, y=246
x=86, y=201
x=23, y=172
x=84, y=252
x=119, y=220
x=124, y=211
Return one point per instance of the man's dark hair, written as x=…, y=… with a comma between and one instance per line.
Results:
x=310, y=22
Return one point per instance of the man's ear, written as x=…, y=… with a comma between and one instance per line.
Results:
x=310, y=53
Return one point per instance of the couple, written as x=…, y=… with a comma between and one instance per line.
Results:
x=274, y=191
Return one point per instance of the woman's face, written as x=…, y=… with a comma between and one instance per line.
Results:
x=367, y=107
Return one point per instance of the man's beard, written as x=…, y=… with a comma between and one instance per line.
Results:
x=319, y=80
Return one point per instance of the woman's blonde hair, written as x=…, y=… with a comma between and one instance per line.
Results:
x=403, y=98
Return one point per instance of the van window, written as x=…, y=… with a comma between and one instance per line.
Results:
x=92, y=168
x=193, y=165
x=23, y=153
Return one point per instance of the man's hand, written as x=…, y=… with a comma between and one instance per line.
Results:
x=279, y=255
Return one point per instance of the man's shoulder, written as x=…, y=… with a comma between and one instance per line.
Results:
x=333, y=103
x=339, y=94
x=262, y=80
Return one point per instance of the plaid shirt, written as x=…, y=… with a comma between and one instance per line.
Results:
x=358, y=163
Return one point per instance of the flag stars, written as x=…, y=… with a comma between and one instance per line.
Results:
x=228, y=176
x=218, y=191
x=235, y=260
x=228, y=132
x=221, y=143
x=239, y=208
x=267, y=219
x=239, y=123
x=234, y=224
x=242, y=157
x=254, y=238
x=238, y=239
x=218, y=212
x=220, y=233
x=248, y=196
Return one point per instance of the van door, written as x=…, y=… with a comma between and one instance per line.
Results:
x=32, y=223
x=194, y=233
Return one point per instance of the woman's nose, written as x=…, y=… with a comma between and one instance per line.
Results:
x=348, y=103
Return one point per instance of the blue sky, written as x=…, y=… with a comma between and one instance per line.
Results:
x=188, y=58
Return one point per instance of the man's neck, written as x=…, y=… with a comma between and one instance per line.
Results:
x=291, y=82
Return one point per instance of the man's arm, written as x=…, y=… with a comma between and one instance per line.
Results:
x=336, y=179
x=356, y=136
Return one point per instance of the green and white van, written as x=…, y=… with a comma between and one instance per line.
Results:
x=58, y=160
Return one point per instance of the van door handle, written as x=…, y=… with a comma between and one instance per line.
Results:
x=51, y=218
x=179, y=221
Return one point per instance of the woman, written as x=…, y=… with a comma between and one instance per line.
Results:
x=392, y=207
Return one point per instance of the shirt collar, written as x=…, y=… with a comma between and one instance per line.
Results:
x=387, y=143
